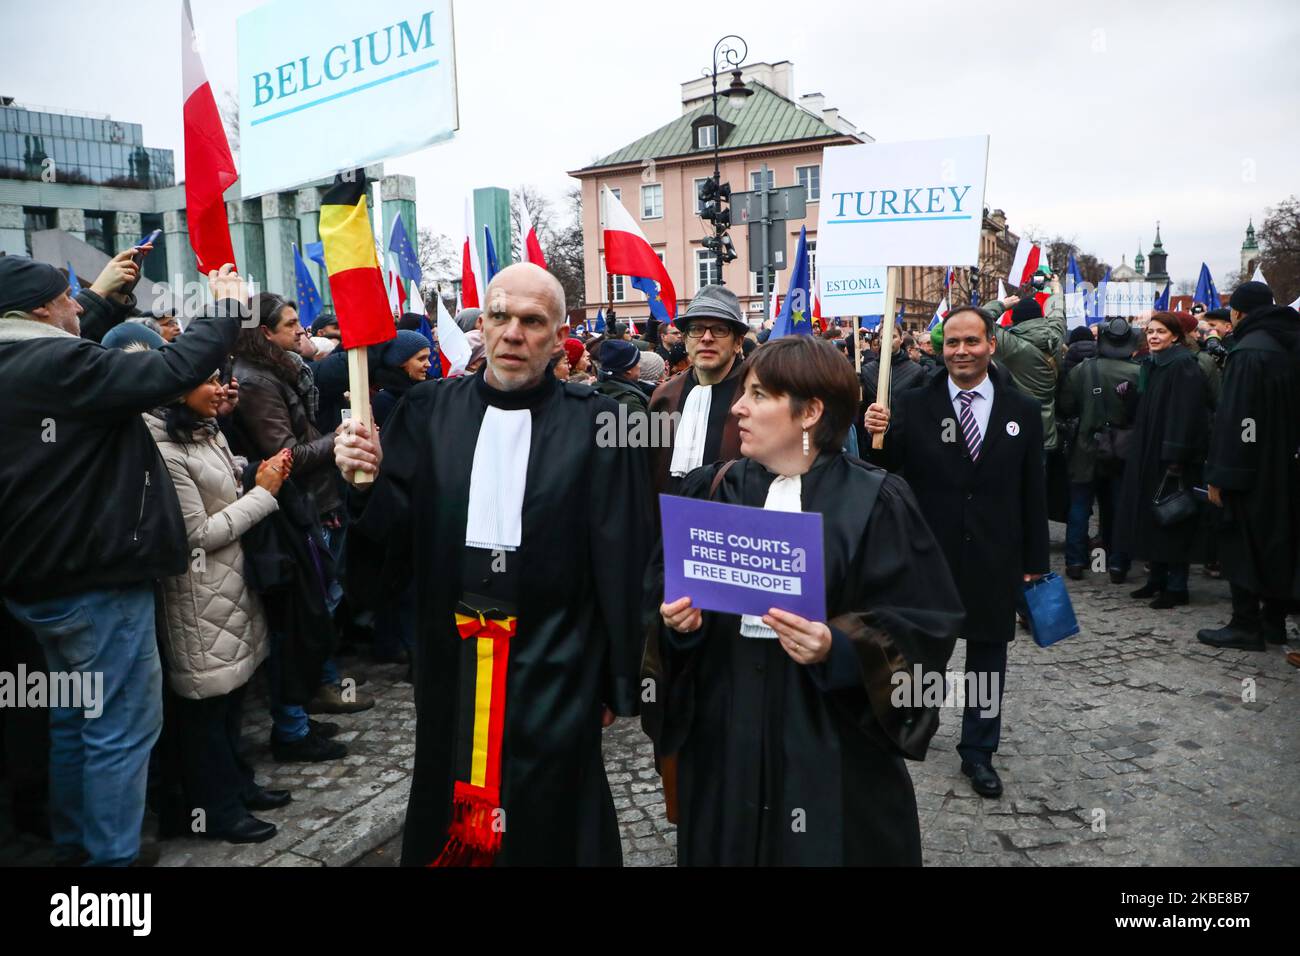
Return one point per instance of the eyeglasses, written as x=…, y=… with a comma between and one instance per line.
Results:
x=694, y=331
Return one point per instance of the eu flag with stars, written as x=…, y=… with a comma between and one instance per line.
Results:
x=399, y=244
x=1073, y=278
x=647, y=285
x=1206, y=293
x=1162, y=300
x=600, y=321
x=796, y=310
x=309, y=302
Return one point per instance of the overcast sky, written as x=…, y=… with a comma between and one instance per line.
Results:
x=1104, y=116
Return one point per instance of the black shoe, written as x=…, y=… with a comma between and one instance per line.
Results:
x=1145, y=591
x=310, y=748
x=1074, y=572
x=984, y=780
x=247, y=830
x=323, y=728
x=1168, y=599
x=1231, y=637
x=265, y=799
x=1118, y=577
x=1273, y=633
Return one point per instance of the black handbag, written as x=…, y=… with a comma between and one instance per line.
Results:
x=1173, y=507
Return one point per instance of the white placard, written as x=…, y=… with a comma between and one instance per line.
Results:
x=918, y=203
x=326, y=90
x=851, y=291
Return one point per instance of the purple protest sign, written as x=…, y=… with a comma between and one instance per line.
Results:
x=742, y=560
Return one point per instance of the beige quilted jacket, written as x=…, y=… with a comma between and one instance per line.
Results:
x=216, y=630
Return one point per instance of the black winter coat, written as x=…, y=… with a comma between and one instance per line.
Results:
x=989, y=517
x=1171, y=428
x=1259, y=527
x=287, y=562
x=85, y=499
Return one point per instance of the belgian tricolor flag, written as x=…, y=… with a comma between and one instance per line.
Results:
x=356, y=282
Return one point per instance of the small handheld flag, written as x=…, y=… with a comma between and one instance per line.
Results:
x=492, y=269
x=356, y=280
x=399, y=246
x=795, y=318
x=1206, y=294
x=74, y=287
x=309, y=301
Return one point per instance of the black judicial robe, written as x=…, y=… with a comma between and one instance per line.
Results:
x=1253, y=455
x=1172, y=426
x=782, y=764
x=578, y=644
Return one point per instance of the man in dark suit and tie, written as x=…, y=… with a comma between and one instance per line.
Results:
x=971, y=447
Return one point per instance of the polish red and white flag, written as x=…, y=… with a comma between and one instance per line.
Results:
x=209, y=167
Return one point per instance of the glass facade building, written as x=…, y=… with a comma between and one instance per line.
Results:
x=82, y=149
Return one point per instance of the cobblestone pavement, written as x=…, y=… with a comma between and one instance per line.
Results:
x=1132, y=725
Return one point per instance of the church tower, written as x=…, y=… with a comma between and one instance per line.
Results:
x=1249, y=251
x=1139, y=262
x=1156, y=270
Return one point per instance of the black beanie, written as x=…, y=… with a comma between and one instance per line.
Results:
x=26, y=284
x=1025, y=309
x=1080, y=334
x=1250, y=296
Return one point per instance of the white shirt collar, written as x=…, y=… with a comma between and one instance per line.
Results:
x=984, y=389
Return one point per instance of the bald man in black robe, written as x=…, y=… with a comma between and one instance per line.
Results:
x=494, y=497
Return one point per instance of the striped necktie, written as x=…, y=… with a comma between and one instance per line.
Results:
x=969, y=428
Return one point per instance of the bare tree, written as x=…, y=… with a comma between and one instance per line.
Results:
x=1279, y=245
x=439, y=260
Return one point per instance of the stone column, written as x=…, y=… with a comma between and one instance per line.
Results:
x=180, y=257
x=307, y=205
x=73, y=222
x=279, y=234
x=127, y=230
x=13, y=235
x=245, y=218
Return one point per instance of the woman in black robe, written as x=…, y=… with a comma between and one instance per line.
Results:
x=790, y=748
x=1170, y=436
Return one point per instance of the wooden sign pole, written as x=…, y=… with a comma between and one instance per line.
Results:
x=359, y=387
x=886, y=347
x=857, y=347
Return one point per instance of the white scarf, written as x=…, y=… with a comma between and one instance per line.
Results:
x=496, y=482
x=782, y=495
x=688, y=443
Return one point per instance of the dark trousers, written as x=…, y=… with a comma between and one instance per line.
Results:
x=980, y=734
x=1258, y=614
x=1082, y=494
x=24, y=731
x=216, y=779
x=1168, y=577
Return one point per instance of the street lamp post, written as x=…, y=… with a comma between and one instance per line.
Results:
x=726, y=56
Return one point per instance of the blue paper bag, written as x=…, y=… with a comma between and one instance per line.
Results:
x=1051, y=615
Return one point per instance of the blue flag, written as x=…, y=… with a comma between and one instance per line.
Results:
x=600, y=321
x=1206, y=293
x=873, y=321
x=399, y=244
x=309, y=302
x=1073, y=278
x=491, y=257
x=316, y=252
x=1162, y=300
x=658, y=310
x=796, y=311
x=74, y=287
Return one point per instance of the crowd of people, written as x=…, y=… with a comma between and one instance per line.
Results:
x=183, y=509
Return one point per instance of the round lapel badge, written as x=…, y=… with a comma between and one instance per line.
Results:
x=1013, y=429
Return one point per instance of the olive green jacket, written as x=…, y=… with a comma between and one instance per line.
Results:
x=1032, y=351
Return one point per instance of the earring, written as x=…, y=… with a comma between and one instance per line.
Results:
x=805, y=443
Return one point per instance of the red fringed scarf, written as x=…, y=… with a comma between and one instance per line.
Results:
x=474, y=835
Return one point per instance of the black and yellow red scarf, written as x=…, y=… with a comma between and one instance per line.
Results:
x=474, y=835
